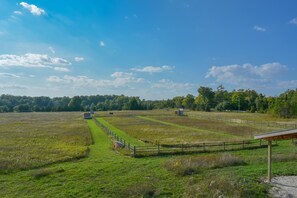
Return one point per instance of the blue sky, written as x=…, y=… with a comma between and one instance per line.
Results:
x=155, y=49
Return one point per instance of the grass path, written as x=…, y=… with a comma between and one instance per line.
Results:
x=223, y=135
x=105, y=173
x=122, y=134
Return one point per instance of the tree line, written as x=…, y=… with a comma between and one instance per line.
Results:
x=284, y=105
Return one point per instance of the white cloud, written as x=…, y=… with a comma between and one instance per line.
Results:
x=62, y=69
x=102, y=44
x=153, y=69
x=292, y=84
x=18, y=12
x=51, y=49
x=259, y=29
x=9, y=75
x=33, y=9
x=119, y=79
x=31, y=60
x=173, y=86
x=78, y=59
x=13, y=87
x=247, y=75
x=294, y=21
x=122, y=75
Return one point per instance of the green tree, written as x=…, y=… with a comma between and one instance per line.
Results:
x=75, y=104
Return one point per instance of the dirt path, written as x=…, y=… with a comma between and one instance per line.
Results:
x=284, y=187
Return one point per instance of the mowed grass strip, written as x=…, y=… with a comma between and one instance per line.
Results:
x=156, y=132
x=35, y=139
x=244, y=131
x=219, y=135
x=122, y=134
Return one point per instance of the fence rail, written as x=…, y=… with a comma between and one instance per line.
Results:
x=163, y=149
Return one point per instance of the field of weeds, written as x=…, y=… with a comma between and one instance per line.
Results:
x=35, y=139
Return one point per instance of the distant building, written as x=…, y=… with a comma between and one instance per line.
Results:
x=87, y=115
x=180, y=112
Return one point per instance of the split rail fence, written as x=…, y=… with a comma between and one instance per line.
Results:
x=167, y=149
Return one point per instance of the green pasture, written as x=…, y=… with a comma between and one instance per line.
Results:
x=104, y=172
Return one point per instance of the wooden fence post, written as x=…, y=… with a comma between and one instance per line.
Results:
x=243, y=144
x=134, y=151
x=203, y=147
x=182, y=148
x=158, y=149
x=224, y=146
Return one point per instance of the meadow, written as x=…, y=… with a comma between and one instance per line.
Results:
x=31, y=140
x=88, y=166
x=164, y=127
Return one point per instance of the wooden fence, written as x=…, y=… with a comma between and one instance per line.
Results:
x=169, y=149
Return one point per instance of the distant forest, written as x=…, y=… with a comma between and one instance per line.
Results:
x=284, y=105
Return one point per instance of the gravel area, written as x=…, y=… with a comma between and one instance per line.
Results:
x=284, y=187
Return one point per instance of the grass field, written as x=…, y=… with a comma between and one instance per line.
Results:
x=35, y=139
x=166, y=128
x=105, y=172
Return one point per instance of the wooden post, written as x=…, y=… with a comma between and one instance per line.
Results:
x=203, y=146
x=269, y=160
x=243, y=144
x=134, y=151
x=182, y=148
x=224, y=146
x=158, y=149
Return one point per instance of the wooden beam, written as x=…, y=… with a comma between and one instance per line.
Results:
x=269, y=160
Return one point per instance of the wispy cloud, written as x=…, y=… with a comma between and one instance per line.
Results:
x=33, y=9
x=294, y=21
x=153, y=69
x=247, y=75
x=17, y=12
x=291, y=84
x=9, y=75
x=79, y=59
x=61, y=69
x=171, y=85
x=102, y=44
x=13, y=87
x=259, y=29
x=31, y=60
x=51, y=49
x=119, y=79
